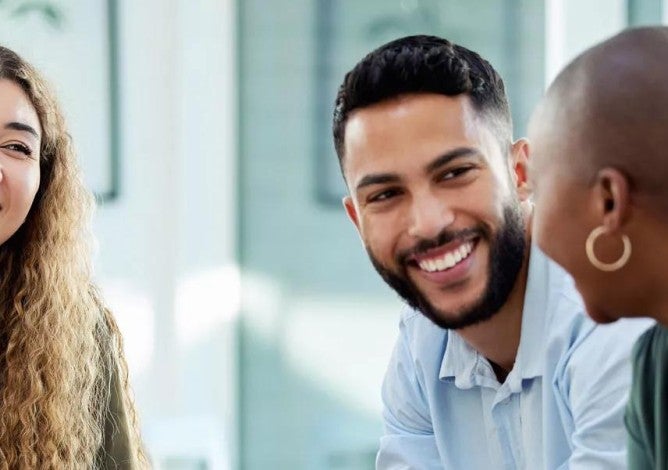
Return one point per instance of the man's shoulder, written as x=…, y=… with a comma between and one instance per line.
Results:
x=564, y=296
x=561, y=306
x=567, y=319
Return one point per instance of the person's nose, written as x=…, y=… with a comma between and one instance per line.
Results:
x=429, y=216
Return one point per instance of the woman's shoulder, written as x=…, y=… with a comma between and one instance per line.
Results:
x=119, y=446
x=652, y=346
x=650, y=364
x=116, y=451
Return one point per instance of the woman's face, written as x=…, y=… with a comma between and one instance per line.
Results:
x=567, y=208
x=20, y=138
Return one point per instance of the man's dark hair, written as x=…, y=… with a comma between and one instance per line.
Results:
x=422, y=64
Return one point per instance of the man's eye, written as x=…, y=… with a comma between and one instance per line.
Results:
x=450, y=174
x=383, y=195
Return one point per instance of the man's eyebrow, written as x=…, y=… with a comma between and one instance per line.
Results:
x=384, y=178
x=447, y=157
x=378, y=178
x=19, y=126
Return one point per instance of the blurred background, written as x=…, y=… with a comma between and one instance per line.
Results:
x=256, y=331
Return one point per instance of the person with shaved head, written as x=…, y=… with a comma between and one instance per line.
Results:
x=600, y=176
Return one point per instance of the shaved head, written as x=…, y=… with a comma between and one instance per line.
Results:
x=609, y=108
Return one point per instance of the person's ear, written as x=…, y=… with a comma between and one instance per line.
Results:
x=519, y=161
x=349, y=205
x=612, y=193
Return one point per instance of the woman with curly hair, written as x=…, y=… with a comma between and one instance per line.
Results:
x=64, y=394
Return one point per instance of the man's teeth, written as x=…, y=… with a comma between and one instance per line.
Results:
x=447, y=260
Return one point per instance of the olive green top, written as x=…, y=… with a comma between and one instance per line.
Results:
x=116, y=451
x=647, y=411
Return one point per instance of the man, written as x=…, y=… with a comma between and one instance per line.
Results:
x=497, y=365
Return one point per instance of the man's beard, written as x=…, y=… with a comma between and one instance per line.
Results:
x=507, y=251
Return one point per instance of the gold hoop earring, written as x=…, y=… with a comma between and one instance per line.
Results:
x=607, y=267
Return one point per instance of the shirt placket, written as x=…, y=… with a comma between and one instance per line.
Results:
x=502, y=416
x=506, y=417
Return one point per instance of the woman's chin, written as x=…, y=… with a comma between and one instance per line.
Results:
x=600, y=315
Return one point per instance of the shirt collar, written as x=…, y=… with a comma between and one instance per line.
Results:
x=460, y=361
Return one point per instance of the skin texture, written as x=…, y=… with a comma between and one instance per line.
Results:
x=19, y=158
x=598, y=159
x=403, y=196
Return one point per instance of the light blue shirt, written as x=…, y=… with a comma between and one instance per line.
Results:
x=561, y=407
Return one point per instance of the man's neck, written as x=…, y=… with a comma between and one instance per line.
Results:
x=498, y=338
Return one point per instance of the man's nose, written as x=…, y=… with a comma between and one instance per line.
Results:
x=429, y=216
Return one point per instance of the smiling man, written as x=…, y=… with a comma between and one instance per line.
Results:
x=497, y=365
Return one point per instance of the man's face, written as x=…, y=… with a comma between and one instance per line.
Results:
x=436, y=204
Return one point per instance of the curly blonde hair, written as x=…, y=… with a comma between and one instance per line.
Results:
x=59, y=345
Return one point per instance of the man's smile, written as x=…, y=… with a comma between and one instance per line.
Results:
x=444, y=258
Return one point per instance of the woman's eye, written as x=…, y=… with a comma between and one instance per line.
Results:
x=16, y=147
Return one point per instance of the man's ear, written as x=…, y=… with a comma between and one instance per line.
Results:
x=519, y=161
x=612, y=193
x=349, y=205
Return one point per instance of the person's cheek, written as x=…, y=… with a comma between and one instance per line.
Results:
x=28, y=184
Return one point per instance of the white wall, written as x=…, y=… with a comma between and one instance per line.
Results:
x=571, y=26
x=167, y=245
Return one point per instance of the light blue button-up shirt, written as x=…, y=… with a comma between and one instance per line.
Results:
x=561, y=407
